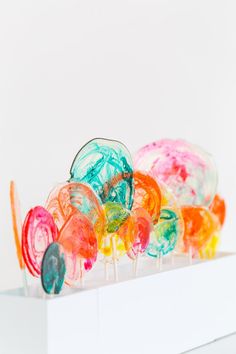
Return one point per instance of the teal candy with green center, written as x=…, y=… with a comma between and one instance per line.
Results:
x=53, y=269
x=115, y=216
x=165, y=234
x=106, y=165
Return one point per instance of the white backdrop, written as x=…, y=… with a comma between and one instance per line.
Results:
x=136, y=71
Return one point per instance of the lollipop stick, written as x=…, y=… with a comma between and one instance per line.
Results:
x=114, y=254
x=160, y=262
x=106, y=269
x=81, y=273
x=24, y=281
x=190, y=255
x=172, y=258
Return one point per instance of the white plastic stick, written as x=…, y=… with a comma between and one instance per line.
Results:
x=172, y=258
x=106, y=269
x=160, y=262
x=190, y=255
x=114, y=255
x=81, y=273
x=24, y=281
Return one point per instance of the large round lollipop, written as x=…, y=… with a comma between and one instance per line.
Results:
x=147, y=195
x=106, y=165
x=186, y=169
x=53, y=269
x=39, y=231
x=200, y=226
x=218, y=208
x=65, y=199
x=79, y=241
x=165, y=234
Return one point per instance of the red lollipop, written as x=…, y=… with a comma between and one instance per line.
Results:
x=39, y=231
x=79, y=241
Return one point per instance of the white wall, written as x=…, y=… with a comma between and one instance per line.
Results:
x=132, y=70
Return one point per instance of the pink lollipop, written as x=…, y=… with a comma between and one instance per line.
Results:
x=79, y=241
x=186, y=169
x=39, y=231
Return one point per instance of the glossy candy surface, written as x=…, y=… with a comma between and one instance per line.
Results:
x=186, y=169
x=53, y=269
x=106, y=165
x=39, y=231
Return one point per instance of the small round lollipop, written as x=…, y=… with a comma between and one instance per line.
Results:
x=39, y=231
x=147, y=195
x=200, y=226
x=53, y=269
x=166, y=233
x=186, y=169
x=79, y=241
x=106, y=165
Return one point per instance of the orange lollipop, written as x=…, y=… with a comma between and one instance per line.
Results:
x=147, y=195
x=200, y=225
x=65, y=199
x=218, y=208
x=16, y=222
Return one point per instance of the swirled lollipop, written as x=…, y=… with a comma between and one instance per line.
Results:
x=106, y=165
x=200, y=226
x=186, y=169
x=147, y=195
x=53, y=269
x=39, y=231
x=79, y=241
x=166, y=232
x=65, y=199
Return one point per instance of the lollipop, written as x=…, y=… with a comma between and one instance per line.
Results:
x=64, y=200
x=53, y=269
x=79, y=241
x=200, y=226
x=147, y=195
x=218, y=208
x=106, y=165
x=16, y=221
x=39, y=231
x=209, y=250
x=165, y=235
x=186, y=169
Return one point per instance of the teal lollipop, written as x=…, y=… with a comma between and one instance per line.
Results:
x=53, y=269
x=106, y=165
x=166, y=233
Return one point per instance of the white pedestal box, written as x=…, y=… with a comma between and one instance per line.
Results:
x=172, y=311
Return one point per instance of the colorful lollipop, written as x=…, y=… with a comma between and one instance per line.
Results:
x=53, y=269
x=39, y=231
x=147, y=195
x=17, y=230
x=200, y=226
x=79, y=241
x=65, y=199
x=106, y=165
x=186, y=169
x=166, y=233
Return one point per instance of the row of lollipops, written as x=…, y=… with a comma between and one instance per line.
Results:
x=162, y=201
